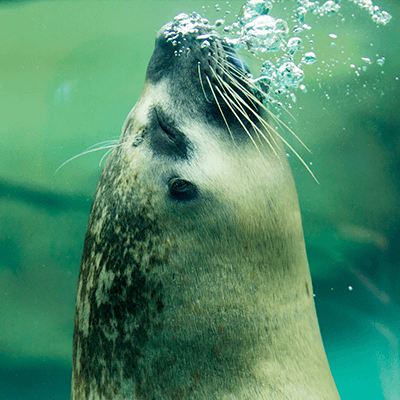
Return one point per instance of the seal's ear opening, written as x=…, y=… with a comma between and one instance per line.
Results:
x=182, y=190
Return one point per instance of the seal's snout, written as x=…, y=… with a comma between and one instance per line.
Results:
x=189, y=41
x=161, y=32
x=183, y=28
x=162, y=35
x=191, y=55
x=180, y=45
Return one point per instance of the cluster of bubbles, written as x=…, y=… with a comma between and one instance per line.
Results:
x=261, y=33
x=183, y=25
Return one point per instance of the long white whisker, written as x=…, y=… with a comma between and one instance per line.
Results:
x=240, y=74
x=105, y=155
x=105, y=142
x=237, y=117
x=245, y=115
x=239, y=99
x=220, y=109
x=238, y=105
x=251, y=96
x=267, y=126
x=85, y=152
x=201, y=82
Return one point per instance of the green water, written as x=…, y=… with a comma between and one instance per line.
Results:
x=70, y=71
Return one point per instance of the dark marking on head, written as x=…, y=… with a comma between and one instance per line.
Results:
x=165, y=137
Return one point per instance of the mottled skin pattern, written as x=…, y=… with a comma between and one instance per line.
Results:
x=194, y=281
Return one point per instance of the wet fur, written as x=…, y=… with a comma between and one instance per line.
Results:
x=194, y=281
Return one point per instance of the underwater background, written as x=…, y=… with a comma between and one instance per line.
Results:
x=70, y=71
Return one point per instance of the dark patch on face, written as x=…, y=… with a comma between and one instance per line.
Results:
x=165, y=138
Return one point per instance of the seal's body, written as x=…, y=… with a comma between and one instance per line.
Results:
x=194, y=281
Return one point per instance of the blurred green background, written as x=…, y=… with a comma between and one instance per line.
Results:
x=70, y=71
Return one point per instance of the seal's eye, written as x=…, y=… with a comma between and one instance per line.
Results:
x=182, y=190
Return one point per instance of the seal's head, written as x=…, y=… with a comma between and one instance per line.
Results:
x=194, y=282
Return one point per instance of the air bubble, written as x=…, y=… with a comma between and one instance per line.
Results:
x=381, y=61
x=309, y=58
x=289, y=74
x=329, y=8
x=294, y=44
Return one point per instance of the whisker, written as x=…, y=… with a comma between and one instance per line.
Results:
x=267, y=127
x=270, y=113
x=105, y=155
x=220, y=109
x=229, y=101
x=239, y=99
x=254, y=126
x=251, y=96
x=108, y=142
x=244, y=113
x=237, y=117
x=201, y=82
x=87, y=152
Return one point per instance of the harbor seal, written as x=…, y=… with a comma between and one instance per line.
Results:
x=194, y=281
